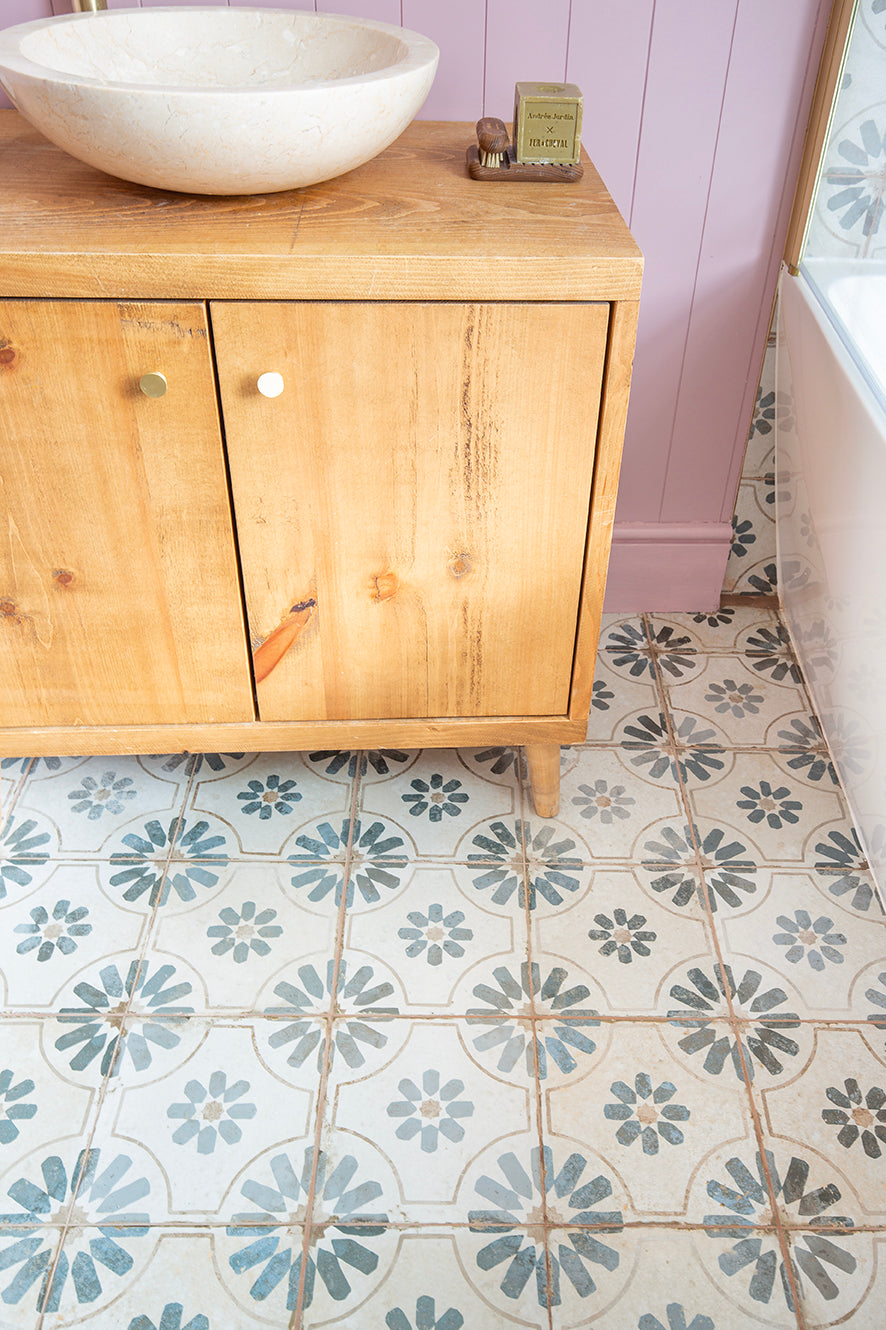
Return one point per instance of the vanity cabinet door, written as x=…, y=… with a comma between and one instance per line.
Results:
x=119, y=591
x=412, y=508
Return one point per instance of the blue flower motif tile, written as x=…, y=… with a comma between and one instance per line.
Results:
x=108, y=1198
x=608, y=798
x=238, y=938
x=435, y=934
x=329, y=1012
x=764, y=1037
x=268, y=1255
x=779, y=819
x=204, y=1116
x=51, y=933
x=513, y=1184
x=126, y=1012
x=266, y=802
x=442, y=795
x=745, y=1189
x=652, y=1116
x=356, y=1038
x=539, y=1021
x=431, y=1107
x=746, y=707
x=37, y=1105
x=432, y=1287
x=178, y=1290
x=819, y=948
x=835, y=1111
x=628, y=937
x=90, y=801
x=615, y=696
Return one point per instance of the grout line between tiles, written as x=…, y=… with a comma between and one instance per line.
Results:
x=735, y=1024
x=320, y=1111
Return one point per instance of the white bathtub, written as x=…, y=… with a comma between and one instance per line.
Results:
x=831, y=517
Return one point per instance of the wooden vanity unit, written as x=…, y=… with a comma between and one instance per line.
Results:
x=405, y=547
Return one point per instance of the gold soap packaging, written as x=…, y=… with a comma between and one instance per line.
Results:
x=546, y=142
x=547, y=123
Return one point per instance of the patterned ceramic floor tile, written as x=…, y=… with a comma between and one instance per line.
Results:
x=437, y=803
x=177, y=1288
x=49, y=932
x=611, y=801
x=23, y=1284
x=652, y=1116
x=850, y=1289
x=262, y=806
x=763, y=1040
x=815, y=1202
x=68, y=1186
x=723, y=630
x=650, y=651
x=624, y=939
x=743, y=709
x=350, y=1250
x=670, y=1280
x=91, y=803
x=246, y=937
x=215, y=1103
x=535, y=1043
x=436, y=1283
x=431, y=1103
x=800, y=750
x=765, y=817
x=616, y=696
x=825, y=955
x=440, y=931
x=835, y=1107
x=38, y=1106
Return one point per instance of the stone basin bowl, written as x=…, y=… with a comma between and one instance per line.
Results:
x=213, y=100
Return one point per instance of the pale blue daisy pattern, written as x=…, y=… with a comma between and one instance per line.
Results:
x=58, y=932
x=513, y=1197
x=211, y=1113
x=430, y=1110
x=342, y=1250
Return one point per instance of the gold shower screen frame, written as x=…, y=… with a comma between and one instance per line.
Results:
x=829, y=72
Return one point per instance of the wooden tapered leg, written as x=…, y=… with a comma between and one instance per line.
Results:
x=543, y=761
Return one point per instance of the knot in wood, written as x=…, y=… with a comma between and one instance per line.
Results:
x=383, y=586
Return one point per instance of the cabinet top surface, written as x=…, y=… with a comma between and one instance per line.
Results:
x=410, y=224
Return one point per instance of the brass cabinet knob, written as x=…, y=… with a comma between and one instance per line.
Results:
x=270, y=384
x=153, y=384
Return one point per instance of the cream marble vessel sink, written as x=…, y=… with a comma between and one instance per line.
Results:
x=213, y=100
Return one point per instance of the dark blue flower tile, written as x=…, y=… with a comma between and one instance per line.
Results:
x=205, y=1113
x=652, y=1115
x=441, y=796
x=440, y=1098
x=819, y=946
x=439, y=934
x=625, y=936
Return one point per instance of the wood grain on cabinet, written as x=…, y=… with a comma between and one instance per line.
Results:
x=402, y=509
x=119, y=597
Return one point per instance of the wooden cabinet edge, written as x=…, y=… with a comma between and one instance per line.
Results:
x=277, y=737
x=614, y=397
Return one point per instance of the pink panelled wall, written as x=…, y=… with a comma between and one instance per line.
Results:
x=694, y=115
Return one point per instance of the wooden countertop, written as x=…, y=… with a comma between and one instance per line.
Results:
x=409, y=225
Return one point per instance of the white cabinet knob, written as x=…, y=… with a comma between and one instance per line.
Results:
x=153, y=384
x=270, y=384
